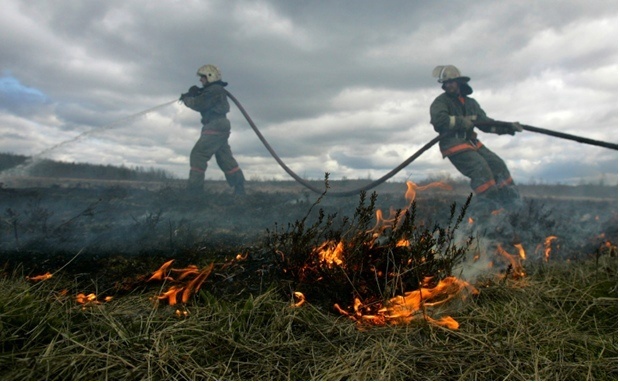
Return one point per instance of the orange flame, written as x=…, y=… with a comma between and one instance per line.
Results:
x=446, y=322
x=548, y=241
x=515, y=261
x=190, y=287
x=519, y=248
x=400, y=309
x=181, y=313
x=42, y=277
x=412, y=188
x=90, y=299
x=171, y=295
x=395, y=218
x=412, y=305
x=194, y=285
x=161, y=273
x=192, y=270
x=83, y=299
x=241, y=257
x=384, y=223
x=403, y=243
x=331, y=253
x=301, y=299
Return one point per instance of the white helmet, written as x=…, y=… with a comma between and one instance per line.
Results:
x=211, y=72
x=446, y=73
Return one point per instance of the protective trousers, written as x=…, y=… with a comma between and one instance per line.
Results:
x=203, y=150
x=488, y=174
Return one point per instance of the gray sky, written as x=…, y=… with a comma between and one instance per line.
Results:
x=335, y=86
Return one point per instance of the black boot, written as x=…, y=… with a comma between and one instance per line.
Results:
x=195, y=182
x=239, y=189
x=237, y=181
x=510, y=197
x=485, y=204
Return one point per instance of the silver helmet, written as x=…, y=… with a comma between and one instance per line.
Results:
x=211, y=72
x=446, y=73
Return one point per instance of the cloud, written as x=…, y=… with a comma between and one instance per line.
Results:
x=333, y=86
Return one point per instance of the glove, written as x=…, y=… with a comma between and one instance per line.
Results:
x=192, y=92
x=467, y=122
x=508, y=129
x=517, y=127
x=511, y=129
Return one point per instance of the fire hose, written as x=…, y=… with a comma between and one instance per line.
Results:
x=306, y=184
x=613, y=146
x=413, y=157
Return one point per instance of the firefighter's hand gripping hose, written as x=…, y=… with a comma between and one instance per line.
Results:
x=371, y=185
x=608, y=145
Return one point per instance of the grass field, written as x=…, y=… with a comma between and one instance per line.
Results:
x=558, y=320
x=560, y=323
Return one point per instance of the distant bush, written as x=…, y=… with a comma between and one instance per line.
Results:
x=8, y=161
x=50, y=168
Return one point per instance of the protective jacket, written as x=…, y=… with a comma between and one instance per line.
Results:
x=212, y=104
x=447, y=113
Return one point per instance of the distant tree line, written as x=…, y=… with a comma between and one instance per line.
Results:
x=53, y=169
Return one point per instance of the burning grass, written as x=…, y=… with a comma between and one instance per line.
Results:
x=558, y=324
x=282, y=310
x=392, y=272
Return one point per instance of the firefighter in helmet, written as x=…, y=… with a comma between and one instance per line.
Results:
x=212, y=104
x=456, y=113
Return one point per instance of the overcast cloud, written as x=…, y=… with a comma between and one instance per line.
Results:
x=335, y=86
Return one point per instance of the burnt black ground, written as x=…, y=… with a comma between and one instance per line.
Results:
x=122, y=233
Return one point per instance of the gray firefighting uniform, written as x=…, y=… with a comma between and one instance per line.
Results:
x=488, y=174
x=213, y=106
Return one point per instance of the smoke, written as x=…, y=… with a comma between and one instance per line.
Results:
x=578, y=228
x=37, y=223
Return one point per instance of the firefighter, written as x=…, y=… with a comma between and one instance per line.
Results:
x=456, y=113
x=212, y=103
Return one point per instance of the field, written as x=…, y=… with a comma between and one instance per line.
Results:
x=81, y=300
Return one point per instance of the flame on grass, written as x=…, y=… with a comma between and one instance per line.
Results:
x=187, y=281
x=83, y=299
x=395, y=216
x=300, y=299
x=613, y=249
x=400, y=309
x=91, y=299
x=43, y=277
x=547, y=247
x=330, y=253
x=412, y=305
x=181, y=313
x=516, y=261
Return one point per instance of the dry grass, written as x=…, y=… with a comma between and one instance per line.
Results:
x=559, y=323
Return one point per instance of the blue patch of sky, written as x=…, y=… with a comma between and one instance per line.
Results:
x=12, y=91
